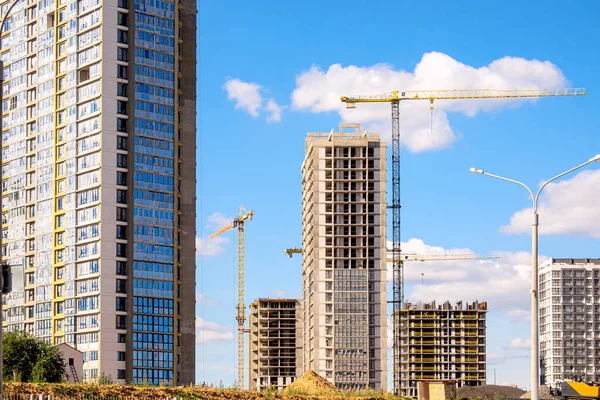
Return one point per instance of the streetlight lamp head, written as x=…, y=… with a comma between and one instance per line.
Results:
x=595, y=158
x=476, y=171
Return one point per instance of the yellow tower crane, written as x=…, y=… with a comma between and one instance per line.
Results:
x=239, y=223
x=410, y=256
x=395, y=97
x=292, y=250
x=439, y=257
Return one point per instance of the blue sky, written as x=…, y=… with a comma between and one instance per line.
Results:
x=248, y=156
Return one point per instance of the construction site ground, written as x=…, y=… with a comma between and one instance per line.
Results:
x=121, y=392
x=308, y=387
x=544, y=394
x=493, y=392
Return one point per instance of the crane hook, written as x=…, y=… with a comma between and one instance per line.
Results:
x=431, y=109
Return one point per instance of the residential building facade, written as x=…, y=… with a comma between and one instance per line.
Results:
x=273, y=343
x=98, y=188
x=569, y=319
x=442, y=343
x=344, y=258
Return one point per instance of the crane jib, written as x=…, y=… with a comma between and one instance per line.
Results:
x=463, y=94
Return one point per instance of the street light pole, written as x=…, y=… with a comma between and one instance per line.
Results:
x=535, y=326
x=6, y=15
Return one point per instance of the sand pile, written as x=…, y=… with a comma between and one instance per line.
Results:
x=312, y=384
x=489, y=392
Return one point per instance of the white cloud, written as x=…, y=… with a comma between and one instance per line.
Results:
x=274, y=110
x=518, y=343
x=570, y=206
x=248, y=97
x=515, y=349
x=495, y=358
x=218, y=220
x=319, y=91
x=212, y=332
x=518, y=316
x=202, y=299
x=211, y=247
x=503, y=283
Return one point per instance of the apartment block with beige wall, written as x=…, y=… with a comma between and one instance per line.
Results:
x=570, y=319
x=343, y=265
x=98, y=189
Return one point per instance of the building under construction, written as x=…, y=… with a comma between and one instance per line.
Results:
x=273, y=343
x=442, y=343
x=344, y=258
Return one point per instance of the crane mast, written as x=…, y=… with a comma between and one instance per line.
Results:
x=394, y=97
x=397, y=265
x=241, y=308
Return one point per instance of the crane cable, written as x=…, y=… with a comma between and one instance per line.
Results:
x=199, y=181
x=431, y=109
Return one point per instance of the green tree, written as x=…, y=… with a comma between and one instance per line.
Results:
x=50, y=366
x=27, y=358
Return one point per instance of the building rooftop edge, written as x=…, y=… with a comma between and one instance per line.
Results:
x=446, y=306
x=571, y=261
x=280, y=300
x=68, y=345
x=343, y=135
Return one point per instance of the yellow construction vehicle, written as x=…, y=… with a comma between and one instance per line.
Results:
x=571, y=389
x=241, y=308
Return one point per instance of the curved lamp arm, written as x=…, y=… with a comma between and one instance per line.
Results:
x=591, y=160
x=536, y=197
x=482, y=172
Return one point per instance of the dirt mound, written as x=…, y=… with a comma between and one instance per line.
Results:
x=489, y=392
x=544, y=393
x=312, y=384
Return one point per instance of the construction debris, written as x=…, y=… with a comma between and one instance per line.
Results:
x=311, y=384
x=544, y=393
x=489, y=392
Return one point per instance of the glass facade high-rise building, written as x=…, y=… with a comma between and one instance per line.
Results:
x=98, y=181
